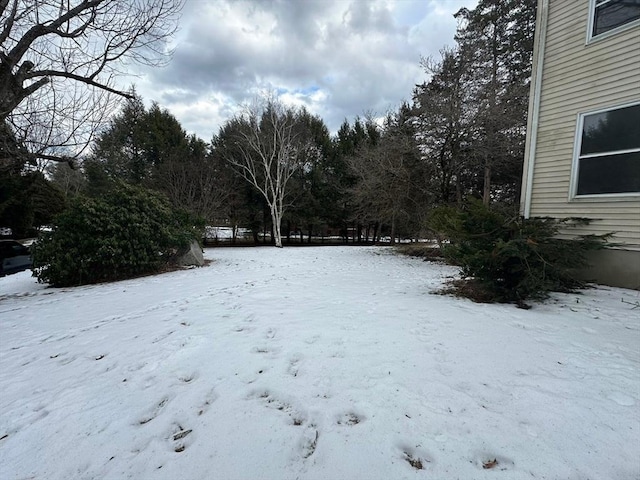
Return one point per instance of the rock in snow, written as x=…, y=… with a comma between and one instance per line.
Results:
x=192, y=257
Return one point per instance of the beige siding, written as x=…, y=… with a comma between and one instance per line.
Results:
x=578, y=77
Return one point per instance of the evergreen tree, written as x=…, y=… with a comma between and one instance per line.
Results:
x=312, y=185
x=119, y=152
x=137, y=143
x=27, y=199
x=442, y=110
x=496, y=43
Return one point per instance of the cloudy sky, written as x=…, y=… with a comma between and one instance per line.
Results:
x=339, y=58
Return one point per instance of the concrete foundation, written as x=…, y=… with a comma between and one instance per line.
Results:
x=614, y=267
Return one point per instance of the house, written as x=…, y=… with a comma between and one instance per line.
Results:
x=582, y=155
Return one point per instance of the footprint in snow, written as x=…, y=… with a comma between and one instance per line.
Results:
x=179, y=437
x=161, y=337
x=67, y=360
x=312, y=340
x=272, y=401
x=267, y=350
x=136, y=367
x=416, y=456
x=350, y=419
x=187, y=377
x=153, y=412
x=444, y=370
x=491, y=461
x=250, y=377
x=209, y=398
x=294, y=365
x=309, y=441
x=149, y=381
x=529, y=429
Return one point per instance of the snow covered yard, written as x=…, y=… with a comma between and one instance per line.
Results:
x=314, y=363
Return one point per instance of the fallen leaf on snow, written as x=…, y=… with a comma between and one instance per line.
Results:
x=490, y=464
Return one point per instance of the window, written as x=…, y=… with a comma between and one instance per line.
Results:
x=607, y=15
x=608, y=152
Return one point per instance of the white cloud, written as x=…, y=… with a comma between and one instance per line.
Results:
x=338, y=58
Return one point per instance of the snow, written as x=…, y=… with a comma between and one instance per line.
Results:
x=314, y=363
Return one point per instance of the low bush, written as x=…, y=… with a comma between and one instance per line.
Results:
x=128, y=232
x=426, y=251
x=507, y=258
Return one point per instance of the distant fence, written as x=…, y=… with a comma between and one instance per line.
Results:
x=224, y=236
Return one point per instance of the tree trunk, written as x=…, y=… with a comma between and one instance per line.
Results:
x=486, y=190
x=393, y=229
x=264, y=225
x=276, y=229
x=492, y=130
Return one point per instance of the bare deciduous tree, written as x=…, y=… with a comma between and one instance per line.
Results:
x=266, y=144
x=70, y=180
x=59, y=60
x=195, y=184
x=388, y=176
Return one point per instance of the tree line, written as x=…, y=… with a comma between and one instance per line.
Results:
x=276, y=168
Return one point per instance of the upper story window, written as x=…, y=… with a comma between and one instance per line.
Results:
x=607, y=159
x=607, y=15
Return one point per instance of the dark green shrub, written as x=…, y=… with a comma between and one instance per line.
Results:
x=509, y=258
x=426, y=251
x=128, y=232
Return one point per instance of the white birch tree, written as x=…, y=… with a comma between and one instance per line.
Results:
x=266, y=144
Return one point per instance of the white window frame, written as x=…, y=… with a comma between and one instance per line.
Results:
x=573, y=186
x=592, y=15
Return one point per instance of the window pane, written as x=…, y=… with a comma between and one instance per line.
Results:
x=614, y=14
x=611, y=131
x=609, y=174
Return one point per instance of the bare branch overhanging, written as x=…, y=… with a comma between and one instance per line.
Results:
x=48, y=48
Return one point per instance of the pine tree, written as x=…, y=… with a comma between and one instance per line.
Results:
x=442, y=109
x=496, y=44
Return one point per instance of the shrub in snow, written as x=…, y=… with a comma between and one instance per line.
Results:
x=129, y=231
x=506, y=257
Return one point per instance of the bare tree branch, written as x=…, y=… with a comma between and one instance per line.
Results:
x=46, y=74
x=50, y=47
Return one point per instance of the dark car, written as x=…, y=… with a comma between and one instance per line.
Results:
x=14, y=257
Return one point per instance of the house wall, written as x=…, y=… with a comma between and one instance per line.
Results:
x=579, y=77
